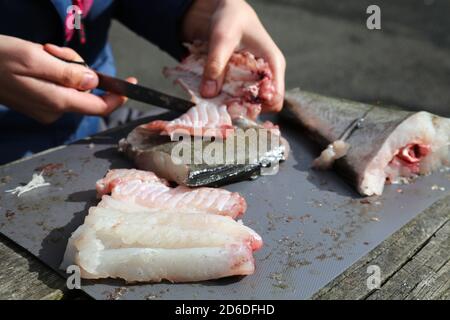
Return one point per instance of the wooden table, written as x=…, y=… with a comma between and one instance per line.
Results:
x=415, y=260
x=415, y=264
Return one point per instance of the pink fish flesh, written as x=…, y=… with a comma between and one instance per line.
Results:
x=247, y=85
x=146, y=189
x=119, y=176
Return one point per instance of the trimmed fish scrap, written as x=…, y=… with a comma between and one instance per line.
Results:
x=371, y=145
x=247, y=85
x=181, y=238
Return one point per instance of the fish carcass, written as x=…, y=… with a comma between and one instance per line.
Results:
x=247, y=85
x=179, y=235
x=371, y=145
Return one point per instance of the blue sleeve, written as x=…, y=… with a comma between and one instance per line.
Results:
x=156, y=20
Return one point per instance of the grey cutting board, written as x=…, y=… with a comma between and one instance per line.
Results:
x=314, y=225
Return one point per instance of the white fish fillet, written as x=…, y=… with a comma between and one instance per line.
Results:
x=143, y=246
x=179, y=265
x=155, y=265
x=181, y=242
x=169, y=230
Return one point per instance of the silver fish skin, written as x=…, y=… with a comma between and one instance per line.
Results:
x=153, y=152
x=374, y=144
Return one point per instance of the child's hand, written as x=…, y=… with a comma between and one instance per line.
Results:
x=228, y=25
x=35, y=83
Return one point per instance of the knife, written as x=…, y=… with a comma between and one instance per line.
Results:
x=138, y=92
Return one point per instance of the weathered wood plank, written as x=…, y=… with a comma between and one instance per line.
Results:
x=393, y=254
x=22, y=276
x=437, y=286
x=426, y=275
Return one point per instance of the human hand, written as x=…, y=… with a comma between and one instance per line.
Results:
x=228, y=25
x=43, y=87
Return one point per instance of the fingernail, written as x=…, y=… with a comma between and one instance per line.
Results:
x=210, y=88
x=88, y=81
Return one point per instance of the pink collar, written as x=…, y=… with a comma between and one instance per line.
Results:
x=84, y=6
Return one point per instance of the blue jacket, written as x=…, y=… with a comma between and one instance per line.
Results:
x=43, y=22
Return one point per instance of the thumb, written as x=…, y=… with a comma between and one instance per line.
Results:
x=221, y=47
x=68, y=74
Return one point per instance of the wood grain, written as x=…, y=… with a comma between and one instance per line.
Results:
x=414, y=262
x=22, y=276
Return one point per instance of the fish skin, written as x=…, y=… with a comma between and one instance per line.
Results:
x=319, y=117
x=151, y=151
x=326, y=120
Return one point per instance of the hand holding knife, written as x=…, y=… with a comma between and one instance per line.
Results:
x=138, y=92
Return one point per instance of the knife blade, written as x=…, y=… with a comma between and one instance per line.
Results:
x=142, y=94
x=137, y=92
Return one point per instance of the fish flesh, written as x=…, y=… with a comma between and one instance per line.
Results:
x=142, y=263
x=145, y=189
x=119, y=176
x=248, y=84
x=371, y=145
x=177, y=239
x=219, y=122
x=152, y=241
x=168, y=229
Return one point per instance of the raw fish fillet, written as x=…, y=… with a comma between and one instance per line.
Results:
x=371, y=145
x=118, y=176
x=139, y=188
x=159, y=241
x=248, y=84
x=151, y=247
x=167, y=229
x=145, y=264
x=109, y=202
